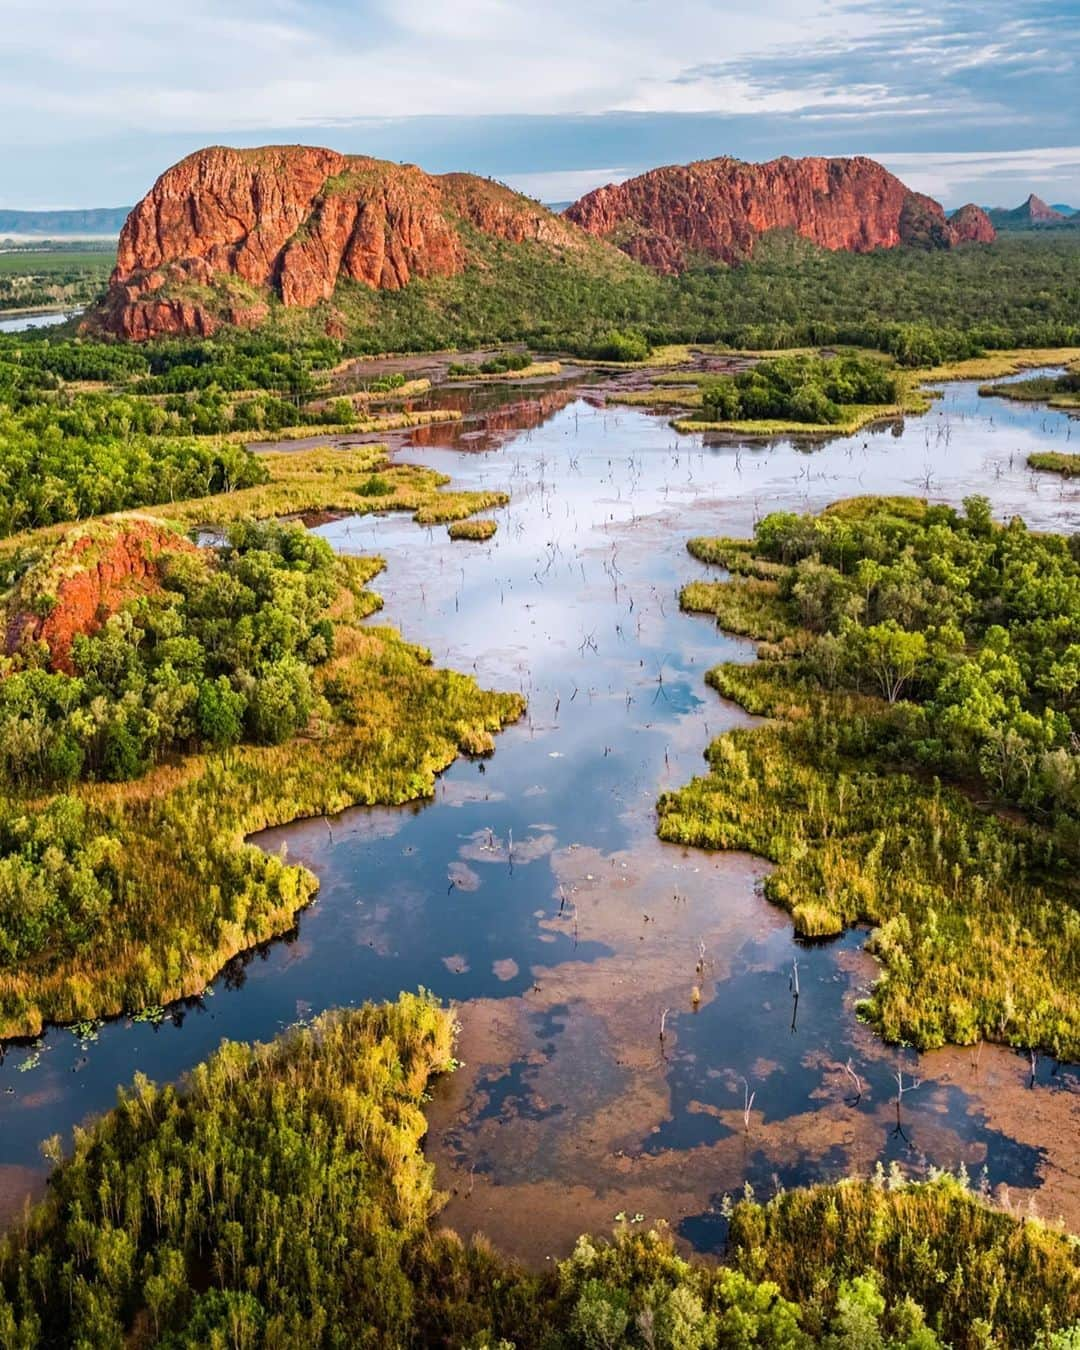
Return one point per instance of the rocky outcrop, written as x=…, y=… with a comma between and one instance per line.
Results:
x=291, y=221
x=718, y=208
x=971, y=225
x=90, y=574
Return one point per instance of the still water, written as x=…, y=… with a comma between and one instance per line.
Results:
x=19, y=323
x=532, y=889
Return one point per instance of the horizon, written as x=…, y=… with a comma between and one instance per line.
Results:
x=92, y=119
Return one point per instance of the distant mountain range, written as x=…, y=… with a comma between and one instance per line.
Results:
x=100, y=220
x=1033, y=214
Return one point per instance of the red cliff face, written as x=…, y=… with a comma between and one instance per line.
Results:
x=88, y=577
x=718, y=208
x=292, y=221
x=971, y=225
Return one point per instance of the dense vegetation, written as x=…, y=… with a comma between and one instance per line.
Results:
x=503, y=364
x=223, y=650
x=280, y=1198
x=121, y=895
x=912, y=646
x=88, y=427
x=921, y=307
x=799, y=389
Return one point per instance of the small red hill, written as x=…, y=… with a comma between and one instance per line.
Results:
x=86, y=578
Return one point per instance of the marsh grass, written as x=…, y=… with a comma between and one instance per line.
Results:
x=1056, y=461
x=472, y=529
x=186, y=893
x=975, y=912
x=325, y=478
x=361, y=426
x=746, y=606
x=529, y=372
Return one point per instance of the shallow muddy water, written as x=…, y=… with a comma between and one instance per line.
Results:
x=533, y=890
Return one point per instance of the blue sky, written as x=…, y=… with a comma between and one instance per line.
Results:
x=964, y=99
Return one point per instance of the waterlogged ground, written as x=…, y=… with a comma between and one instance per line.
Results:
x=534, y=892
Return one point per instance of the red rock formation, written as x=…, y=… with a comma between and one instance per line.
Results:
x=1041, y=212
x=292, y=221
x=87, y=578
x=718, y=208
x=971, y=225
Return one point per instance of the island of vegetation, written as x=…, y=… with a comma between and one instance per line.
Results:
x=918, y=771
x=1059, y=391
x=478, y=528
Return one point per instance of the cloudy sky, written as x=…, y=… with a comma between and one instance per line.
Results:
x=966, y=99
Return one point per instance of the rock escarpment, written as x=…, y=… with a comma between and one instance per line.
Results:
x=291, y=221
x=88, y=577
x=718, y=208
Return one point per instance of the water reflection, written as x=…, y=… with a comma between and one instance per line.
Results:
x=533, y=889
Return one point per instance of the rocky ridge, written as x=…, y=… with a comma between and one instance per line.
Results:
x=718, y=208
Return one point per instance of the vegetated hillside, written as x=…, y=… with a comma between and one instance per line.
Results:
x=718, y=208
x=225, y=233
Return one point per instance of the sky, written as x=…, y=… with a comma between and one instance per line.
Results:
x=964, y=99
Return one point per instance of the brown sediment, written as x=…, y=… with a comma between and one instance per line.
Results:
x=563, y=1149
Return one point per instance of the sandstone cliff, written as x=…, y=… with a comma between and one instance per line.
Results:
x=718, y=208
x=291, y=221
x=87, y=577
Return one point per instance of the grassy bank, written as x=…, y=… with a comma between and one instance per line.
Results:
x=919, y=773
x=355, y=479
x=1056, y=461
x=177, y=891
x=528, y=372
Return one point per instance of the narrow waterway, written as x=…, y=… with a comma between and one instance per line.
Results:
x=533, y=891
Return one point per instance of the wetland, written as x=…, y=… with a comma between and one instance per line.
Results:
x=630, y=1039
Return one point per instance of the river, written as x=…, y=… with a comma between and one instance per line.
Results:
x=532, y=889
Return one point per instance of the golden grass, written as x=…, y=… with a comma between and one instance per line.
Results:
x=189, y=892
x=324, y=478
x=673, y=354
x=684, y=397
x=996, y=364
x=530, y=372
x=362, y=426
x=478, y=530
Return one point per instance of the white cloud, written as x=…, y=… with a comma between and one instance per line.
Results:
x=955, y=176
x=566, y=185
x=212, y=64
